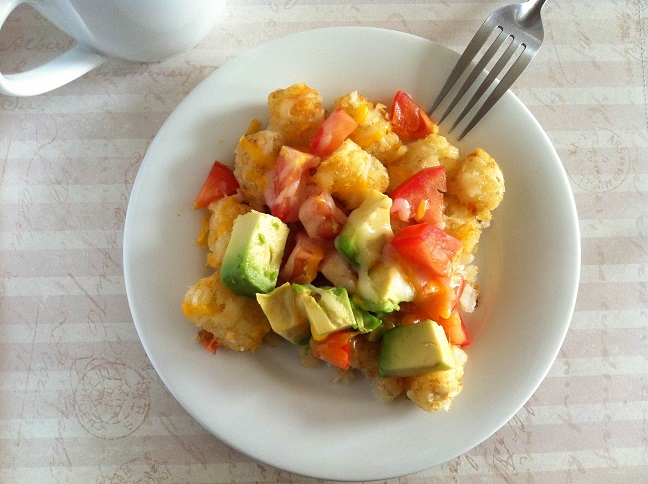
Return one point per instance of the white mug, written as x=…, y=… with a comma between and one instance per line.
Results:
x=136, y=30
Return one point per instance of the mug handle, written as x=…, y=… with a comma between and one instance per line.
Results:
x=55, y=73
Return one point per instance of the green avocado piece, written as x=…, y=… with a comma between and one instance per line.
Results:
x=286, y=318
x=381, y=285
x=328, y=309
x=414, y=349
x=253, y=255
x=365, y=321
x=366, y=231
x=382, y=288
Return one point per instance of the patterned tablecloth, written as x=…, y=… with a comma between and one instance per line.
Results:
x=79, y=399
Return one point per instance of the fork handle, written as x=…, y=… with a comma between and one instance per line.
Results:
x=530, y=11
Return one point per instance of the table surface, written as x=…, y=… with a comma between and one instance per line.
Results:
x=68, y=160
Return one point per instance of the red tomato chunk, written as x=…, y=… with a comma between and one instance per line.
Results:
x=291, y=180
x=335, y=129
x=427, y=247
x=303, y=262
x=219, y=183
x=420, y=198
x=335, y=349
x=321, y=217
x=409, y=120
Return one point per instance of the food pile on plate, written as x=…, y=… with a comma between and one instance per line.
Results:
x=351, y=233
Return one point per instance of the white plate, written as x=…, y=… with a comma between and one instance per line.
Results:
x=267, y=405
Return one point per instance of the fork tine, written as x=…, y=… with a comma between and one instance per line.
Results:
x=497, y=68
x=464, y=61
x=497, y=43
x=522, y=23
x=513, y=73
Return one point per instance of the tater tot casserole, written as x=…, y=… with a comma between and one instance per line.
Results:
x=349, y=230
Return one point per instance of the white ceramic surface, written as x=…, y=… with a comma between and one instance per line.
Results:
x=266, y=404
x=142, y=30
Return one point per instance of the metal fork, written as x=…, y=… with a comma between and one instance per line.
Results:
x=518, y=24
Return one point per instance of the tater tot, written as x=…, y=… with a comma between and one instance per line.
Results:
x=349, y=173
x=433, y=150
x=374, y=133
x=237, y=322
x=296, y=113
x=254, y=164
x=478, y=182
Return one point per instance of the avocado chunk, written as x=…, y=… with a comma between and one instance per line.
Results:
x=365, y=322
x=253, y=255
x=381, y=285
x=328, y=309
x=286, y=318
x=382, y=288
x=366, y=231
x=414, y=350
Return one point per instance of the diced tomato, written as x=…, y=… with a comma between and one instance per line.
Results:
x=409, y=120
x=427, y=247
x=419, y=197
x=459, y=335
x=291, y=180
x=435, y=298
x=435, y=295
x=208, y=341
x=335, y=349
x=321, y=217
x=455, y=329
x=219, y=183
x=333, y=131
x=411, y=314
x=303, y=262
